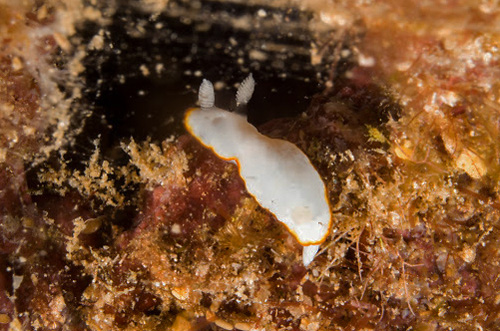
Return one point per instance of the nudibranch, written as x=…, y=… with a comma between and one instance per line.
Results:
x=276, y=172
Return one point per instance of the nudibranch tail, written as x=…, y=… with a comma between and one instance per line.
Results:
x=308, y=254
x=276, y=172
x=245, y=91
x=206, y=94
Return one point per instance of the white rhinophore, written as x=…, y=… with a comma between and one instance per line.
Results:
x=206, y=94
x=276, y=172
x=245, y=91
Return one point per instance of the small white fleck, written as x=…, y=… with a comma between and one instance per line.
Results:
x=219, y=85
x=159, y=68
x=345, y=53
x=175, y=229
x=403, y=66
x=487, y=57
x=144, y=70
x=16, y=281
x=257, y=55
x=366, y=61
x=449, y=98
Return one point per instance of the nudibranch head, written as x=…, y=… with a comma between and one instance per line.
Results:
x=276, y=172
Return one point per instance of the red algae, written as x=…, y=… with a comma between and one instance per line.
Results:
x=405, y=136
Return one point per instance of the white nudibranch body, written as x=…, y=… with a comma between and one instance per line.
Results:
x=276, y=172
